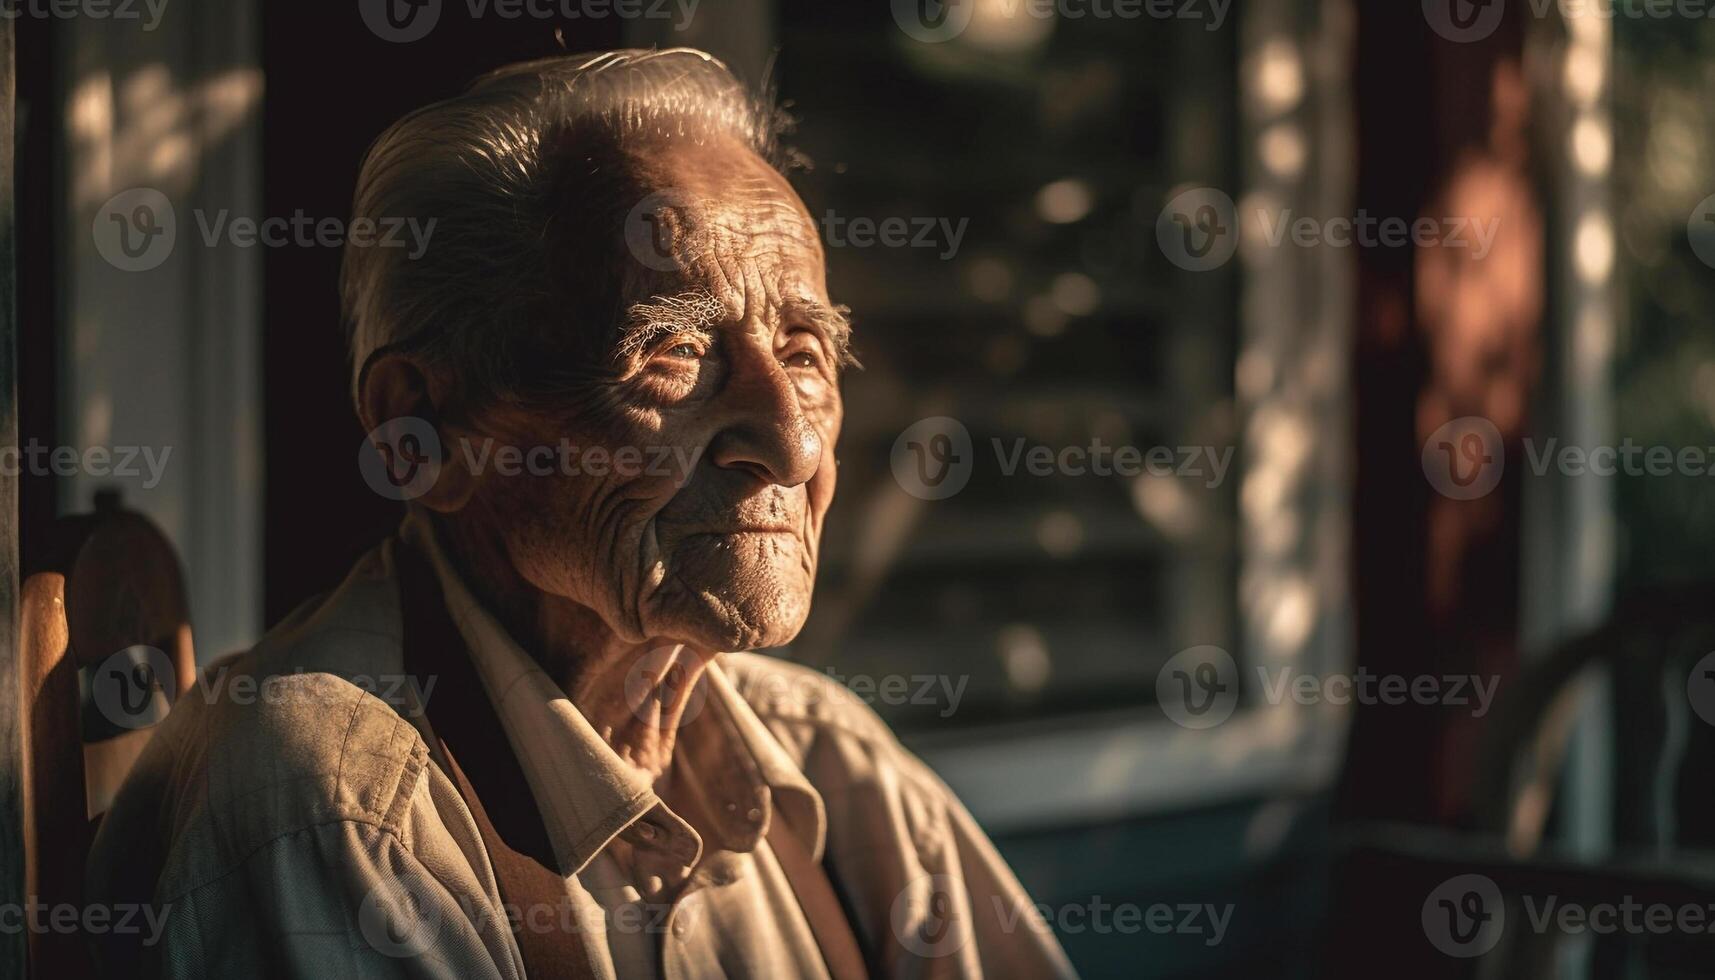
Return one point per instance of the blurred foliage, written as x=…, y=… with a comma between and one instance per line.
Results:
x=1664, y=361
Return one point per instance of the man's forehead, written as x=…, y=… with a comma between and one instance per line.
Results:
x=748, y=221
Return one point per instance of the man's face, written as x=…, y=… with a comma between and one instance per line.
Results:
x=717, y=410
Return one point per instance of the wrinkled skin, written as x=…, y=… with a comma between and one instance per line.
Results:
x=591, y=573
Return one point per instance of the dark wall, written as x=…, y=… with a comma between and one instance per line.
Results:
x=333, y=85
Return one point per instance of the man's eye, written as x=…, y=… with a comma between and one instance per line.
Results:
x=684, y=351
x=802, y=359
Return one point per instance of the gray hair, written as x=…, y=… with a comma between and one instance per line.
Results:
x=516, y=173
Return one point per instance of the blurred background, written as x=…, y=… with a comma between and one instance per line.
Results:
x=1100, y=249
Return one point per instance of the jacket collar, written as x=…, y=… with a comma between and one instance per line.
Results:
x=588, y=795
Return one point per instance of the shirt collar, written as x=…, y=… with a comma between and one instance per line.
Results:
x=588, y=795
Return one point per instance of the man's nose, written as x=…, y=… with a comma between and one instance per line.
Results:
x=764, y=429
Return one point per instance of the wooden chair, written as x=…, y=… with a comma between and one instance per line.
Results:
x=105, y=642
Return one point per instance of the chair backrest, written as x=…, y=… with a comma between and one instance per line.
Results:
x=1653, y=653
x=1646, y=650
x=106, y=647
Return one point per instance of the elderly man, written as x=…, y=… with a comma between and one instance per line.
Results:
x=510, y=743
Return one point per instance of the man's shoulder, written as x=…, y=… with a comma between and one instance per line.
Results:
x=780, y=691
x=296, y=732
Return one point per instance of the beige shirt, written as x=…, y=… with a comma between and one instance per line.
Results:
x=287, y=820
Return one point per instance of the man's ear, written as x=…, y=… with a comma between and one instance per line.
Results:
x=399, y=401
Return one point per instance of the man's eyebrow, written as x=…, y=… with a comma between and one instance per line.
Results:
x=696, y=312
x=692, y=313
x=833, y=321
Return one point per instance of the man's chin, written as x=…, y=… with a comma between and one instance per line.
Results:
x=750, y=612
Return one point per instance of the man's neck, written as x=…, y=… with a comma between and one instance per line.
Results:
x=634, y=694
